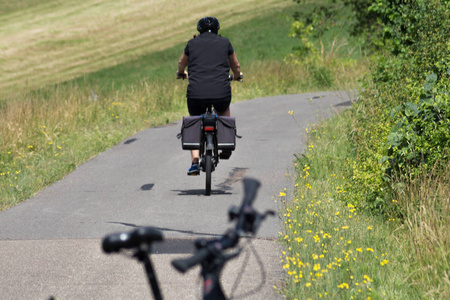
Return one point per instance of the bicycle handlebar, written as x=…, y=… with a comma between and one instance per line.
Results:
x=230, y=77
x=248, y=220
x=181, y=76
x=127, y=240
x=182, y=265
x=250, y=189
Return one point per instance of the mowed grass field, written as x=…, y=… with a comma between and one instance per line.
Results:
x=47, y=42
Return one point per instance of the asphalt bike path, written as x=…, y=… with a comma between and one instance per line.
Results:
x=50, y=245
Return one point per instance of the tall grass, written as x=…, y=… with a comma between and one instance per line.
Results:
x=335, y=251
x=425, y=205
x=44, y=138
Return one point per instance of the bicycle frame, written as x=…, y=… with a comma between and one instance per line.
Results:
x=212, y=268
x=210, y=253
x=209, y=153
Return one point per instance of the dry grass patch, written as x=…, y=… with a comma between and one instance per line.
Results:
x=59, y=40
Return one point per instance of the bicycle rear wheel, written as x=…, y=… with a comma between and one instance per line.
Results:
x=208, y=170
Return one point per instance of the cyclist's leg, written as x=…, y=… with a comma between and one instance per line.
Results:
x=222, y=106
x=225, y=113
x=195, y=108
x=195, y=154
x=194, y=169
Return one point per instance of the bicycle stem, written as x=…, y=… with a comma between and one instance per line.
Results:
x=143, y=256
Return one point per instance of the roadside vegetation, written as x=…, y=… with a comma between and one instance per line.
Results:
x=370, y=214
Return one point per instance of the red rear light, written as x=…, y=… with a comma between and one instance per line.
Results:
x=209, y=128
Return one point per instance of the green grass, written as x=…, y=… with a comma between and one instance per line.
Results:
x=9, y=6
x=49, y=42
x=259, y=39
x=335, y=251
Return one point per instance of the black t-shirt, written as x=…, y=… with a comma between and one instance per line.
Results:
x=208, y=66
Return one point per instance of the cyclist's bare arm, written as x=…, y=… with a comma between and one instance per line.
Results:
x=235, y=66
x=182, y=64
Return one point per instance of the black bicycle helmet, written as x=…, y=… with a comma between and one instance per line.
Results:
x=208, y=24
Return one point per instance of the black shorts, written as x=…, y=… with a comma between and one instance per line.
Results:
x=197, y=107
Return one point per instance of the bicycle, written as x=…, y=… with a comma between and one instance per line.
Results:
x=208, y=141
x=211, y=254
x=139, y=241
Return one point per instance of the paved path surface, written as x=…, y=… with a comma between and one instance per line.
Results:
x=50, y=244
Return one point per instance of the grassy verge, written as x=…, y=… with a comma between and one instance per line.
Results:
x=46, y=134
x=45, y=138
x=335, y=251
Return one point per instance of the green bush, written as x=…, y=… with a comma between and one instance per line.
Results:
x=366, y=23
x=422, y=134
x=325, y=49
x=401, y=123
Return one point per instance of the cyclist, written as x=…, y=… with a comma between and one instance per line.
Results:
x=209, y=58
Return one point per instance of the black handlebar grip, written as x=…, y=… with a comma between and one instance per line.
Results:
x=184, y=264
x=118, y=241
x=250, y=188
x=145, y=235
x=115, y=242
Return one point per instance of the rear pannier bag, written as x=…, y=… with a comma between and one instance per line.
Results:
x=191, y=133
x=226, y=133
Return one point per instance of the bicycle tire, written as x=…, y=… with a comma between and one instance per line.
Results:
x=208, y=170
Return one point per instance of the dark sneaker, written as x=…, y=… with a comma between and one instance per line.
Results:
x=225, y=154
x=194, y=170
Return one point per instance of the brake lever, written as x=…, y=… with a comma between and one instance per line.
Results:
x=232, y=255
